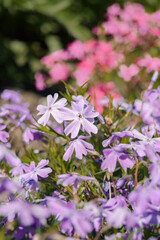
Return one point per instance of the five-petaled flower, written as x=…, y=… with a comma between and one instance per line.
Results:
x=33, y=172
x=82, y=116
x=53, y=108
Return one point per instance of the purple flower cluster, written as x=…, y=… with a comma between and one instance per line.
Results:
x=113, y=192
x=82, y=116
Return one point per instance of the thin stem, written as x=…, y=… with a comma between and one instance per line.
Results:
x=109, y=185
x=103, y=230
x=110, y=192
x=114, y=186
x=136, y=174
x=97, y=183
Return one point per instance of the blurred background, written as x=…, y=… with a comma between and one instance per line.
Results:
x=30, y=29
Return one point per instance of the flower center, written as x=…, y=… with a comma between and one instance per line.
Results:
x=80, y=116
x=49, y=108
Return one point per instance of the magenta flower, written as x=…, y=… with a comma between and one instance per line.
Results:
x=53, y=108
x=80, y=146
x=82, y=117
x=35, y=172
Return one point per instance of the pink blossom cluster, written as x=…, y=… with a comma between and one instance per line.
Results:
x=128, y=39
x=135, y=25
x=93, y=56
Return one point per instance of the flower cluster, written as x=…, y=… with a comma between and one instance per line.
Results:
x=98, y=61
x=114, y=186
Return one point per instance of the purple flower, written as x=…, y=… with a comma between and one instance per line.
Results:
x=19, y=169
x=11, y=95
x=95, y=214
x=53, y=108
x=145, y=141
x=116, y=153
x=82, y=117
x=145, y=201
x=26, y=212
x=80, y=146
x=30, y=135
x=73, y=179
x=117, y=217
x=9, y=156
x=153, y=80
x=116, y=136
x=3, y=134
x=34, y=172
x=8, y=186
x=71, y=220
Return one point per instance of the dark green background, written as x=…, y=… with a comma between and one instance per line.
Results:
x=30, y=29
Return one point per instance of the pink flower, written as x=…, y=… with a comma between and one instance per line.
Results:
x=128, y=72
x=57, y=56
x=84, y=70
x=76, y=50
x=40, y=81
x=59, y=72
x=152, y=64
x=82, y=75
x=100, y=92
x=113, y=10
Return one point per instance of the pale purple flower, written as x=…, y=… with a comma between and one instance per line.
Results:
x=82, y=117
x=80, y=146
x=95, y=214
x=19, y=169
x=86, y=103
x=117, y=136
x=53, y=108
x=72, y=221
x=117, y=153
x=145, y=141
x=30, y=135
x=153, y=80
x=145, y=201
x=11, y=95
x=109, y=206
x=8, y=186
x=117, y=217
x=73, y=179
x=9, y=156
x=26, y=212
x=35, y=172
x=3, y=134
